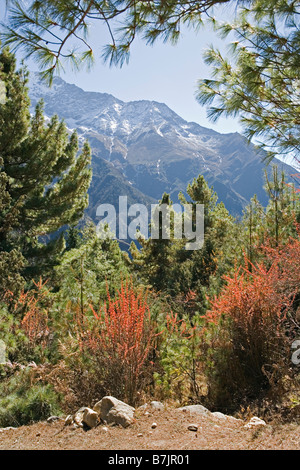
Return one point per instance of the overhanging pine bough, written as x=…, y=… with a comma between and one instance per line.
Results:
x=46, y=28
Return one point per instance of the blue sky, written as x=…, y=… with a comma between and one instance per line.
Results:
x=162, y=72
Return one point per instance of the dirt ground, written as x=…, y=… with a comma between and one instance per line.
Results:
x=171, y=433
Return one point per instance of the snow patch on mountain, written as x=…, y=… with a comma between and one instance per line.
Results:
x=157, y=149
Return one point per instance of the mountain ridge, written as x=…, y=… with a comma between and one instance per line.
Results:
x=149, y=149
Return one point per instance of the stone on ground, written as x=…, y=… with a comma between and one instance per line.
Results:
x=90, y=418
x=78, y=417
x=255, y=422
x=157, y=406
x=198, y=409
x=113, y=411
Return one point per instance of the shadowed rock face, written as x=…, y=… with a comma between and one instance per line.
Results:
x=142, y=149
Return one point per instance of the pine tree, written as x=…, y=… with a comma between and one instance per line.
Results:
x=86, y=271
x=259, y=80
x=47, y=29
x=273, y=225
x=282, y=210
x=220, y=248
x=44, y=182
x=155, y=258
x=172, y=269
x=253, y=224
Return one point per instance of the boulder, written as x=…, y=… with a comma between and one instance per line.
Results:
x=120, y=414
x=197, y=409
x=219, y=415
x=113, y=411
x=78, y=417
x=157, y=406
x=201, y=410
x=90, y=418
x=255, y=422
x=103, y=406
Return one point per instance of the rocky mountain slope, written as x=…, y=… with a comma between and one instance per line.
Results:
x=142, y=149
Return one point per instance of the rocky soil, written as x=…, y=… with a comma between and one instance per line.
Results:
x=156, y=428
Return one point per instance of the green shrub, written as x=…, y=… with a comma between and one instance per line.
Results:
x=22, y=403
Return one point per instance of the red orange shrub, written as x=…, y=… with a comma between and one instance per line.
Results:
x=35, y=321
x=119, y=338
x=30, y=315
x=251, y=299
x=255, y=325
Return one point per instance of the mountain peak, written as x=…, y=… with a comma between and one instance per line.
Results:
x=152, y=148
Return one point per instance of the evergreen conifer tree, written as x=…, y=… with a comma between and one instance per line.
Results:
x=43, y=180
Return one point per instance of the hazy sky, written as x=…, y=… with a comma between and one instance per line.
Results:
x=161, y=73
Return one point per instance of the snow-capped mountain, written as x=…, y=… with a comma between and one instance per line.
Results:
x=143, y=148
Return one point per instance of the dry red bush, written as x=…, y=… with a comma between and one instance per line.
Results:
x=120, y=337
x=255, y=319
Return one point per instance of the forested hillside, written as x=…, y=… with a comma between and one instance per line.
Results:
x=213, y=325
x=216, y=325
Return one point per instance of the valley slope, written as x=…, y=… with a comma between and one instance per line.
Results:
x=142, y=149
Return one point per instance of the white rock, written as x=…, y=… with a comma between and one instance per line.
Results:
x=219, y=415
x=144, y=409
x=157, y=405
x=121, y=414
x=103, y=406
x=255, y=422
x=198, y=409
x=78, y=417
x=90, y=418
x=113, y=411
x=153, y=425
